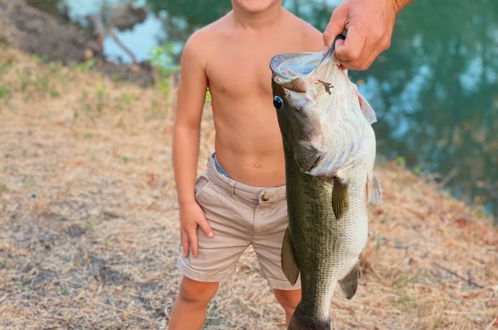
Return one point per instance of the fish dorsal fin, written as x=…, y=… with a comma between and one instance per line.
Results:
x=288, y=260
x=349, y=283
x=374, y=190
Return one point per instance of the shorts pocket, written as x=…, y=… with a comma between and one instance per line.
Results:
x=201, y=186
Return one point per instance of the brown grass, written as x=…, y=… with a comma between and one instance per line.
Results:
x=89, y=223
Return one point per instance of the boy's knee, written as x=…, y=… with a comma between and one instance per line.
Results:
x=289, y=299
x=196, y=292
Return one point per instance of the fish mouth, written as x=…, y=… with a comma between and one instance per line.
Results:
x=290, y=66
x=287, y=67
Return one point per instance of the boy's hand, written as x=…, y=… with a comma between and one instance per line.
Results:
x=191, y=217
x=370, y=26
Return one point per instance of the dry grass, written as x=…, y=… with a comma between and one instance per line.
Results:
x=89, y=223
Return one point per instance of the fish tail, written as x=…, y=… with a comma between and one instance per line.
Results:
x=299, y=321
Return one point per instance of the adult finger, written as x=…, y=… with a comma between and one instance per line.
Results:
x=363, y=64
x=185, y=244
x=206, y=228
x=336, y=25
x=352, y=48
x=192, y=237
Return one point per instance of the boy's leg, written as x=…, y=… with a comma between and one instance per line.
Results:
x=289, y=300
x=189, y=310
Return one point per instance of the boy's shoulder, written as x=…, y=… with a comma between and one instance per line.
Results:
x=308, y=33
x=202, y=40
x=208, y=32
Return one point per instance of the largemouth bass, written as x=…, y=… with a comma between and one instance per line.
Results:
x=329, y=149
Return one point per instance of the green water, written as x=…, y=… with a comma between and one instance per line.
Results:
x=435, y=91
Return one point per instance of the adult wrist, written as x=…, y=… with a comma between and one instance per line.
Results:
x=400, y=4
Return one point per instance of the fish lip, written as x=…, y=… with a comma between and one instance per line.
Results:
x=313, y=59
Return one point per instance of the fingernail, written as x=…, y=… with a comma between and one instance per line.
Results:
x=210, y=234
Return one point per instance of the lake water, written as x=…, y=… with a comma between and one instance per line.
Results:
x=435, y=91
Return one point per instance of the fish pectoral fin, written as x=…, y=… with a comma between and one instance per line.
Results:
x=349, y=283
x=306, y=156
x=340, y=200
x=374, y=190
x=288, y=260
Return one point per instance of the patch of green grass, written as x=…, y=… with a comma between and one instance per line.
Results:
x=408, y=303
x=403, y=281
x=6, y=264
x=4, y=93
x=85, y=66
x=88, y=135
x=9, y=167
x=88, y=226
x=64, y=291
x=6, y=65
x=3, y=187
x=124, y=100
x=126, y=159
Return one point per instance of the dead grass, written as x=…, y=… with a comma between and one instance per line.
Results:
x=89, y=223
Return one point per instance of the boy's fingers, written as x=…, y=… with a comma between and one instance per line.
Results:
x=185, y=244
x=336, y=25
x=352, y=48
x=206, y=228
x=192, y=237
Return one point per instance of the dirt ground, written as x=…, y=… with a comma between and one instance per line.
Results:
x=89, y=229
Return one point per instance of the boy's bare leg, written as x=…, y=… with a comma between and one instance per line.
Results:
x=189, y=310
x=289, y=300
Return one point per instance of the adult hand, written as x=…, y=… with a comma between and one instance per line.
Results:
x=369, y=26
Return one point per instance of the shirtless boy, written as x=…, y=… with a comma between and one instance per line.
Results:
x=241, y=199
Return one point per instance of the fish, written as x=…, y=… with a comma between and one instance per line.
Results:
x=329, y=148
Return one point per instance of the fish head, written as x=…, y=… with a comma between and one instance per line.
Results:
x=311, y=92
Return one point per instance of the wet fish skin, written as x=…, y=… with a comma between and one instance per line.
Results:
x=329, y=150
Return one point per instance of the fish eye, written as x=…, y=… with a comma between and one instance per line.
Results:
x=278, y=103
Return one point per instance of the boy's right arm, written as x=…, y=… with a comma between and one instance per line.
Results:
x=190, y=102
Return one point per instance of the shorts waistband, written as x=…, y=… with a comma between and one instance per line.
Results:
x=264, y=194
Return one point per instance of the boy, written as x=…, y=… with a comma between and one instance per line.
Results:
x=241, y=199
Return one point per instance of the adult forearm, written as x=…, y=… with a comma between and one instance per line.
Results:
x=185, y=157
x=400, y=4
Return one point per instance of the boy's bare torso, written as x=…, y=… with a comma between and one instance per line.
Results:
x=248, y=142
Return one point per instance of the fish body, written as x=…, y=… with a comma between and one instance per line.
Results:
x=329, y=147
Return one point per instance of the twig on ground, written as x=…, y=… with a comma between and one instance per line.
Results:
x=468, y=280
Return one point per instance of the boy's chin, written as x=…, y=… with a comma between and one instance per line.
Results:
x=255, y=6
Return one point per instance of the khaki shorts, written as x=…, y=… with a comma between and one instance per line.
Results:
x=240, y=215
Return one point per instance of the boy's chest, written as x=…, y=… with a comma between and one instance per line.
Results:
x=240, y=72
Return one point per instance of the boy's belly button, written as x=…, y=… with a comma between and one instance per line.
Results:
x=257, y=163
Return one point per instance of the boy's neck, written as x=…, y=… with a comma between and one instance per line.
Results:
x=257, y=20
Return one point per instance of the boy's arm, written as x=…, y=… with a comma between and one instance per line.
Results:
x=191, y=95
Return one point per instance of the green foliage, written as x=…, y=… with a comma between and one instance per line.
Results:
x=400, y=160
x=85, y=66
x=164, y=63
x=408, y=303
x=4, y=93
x=5, y=66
